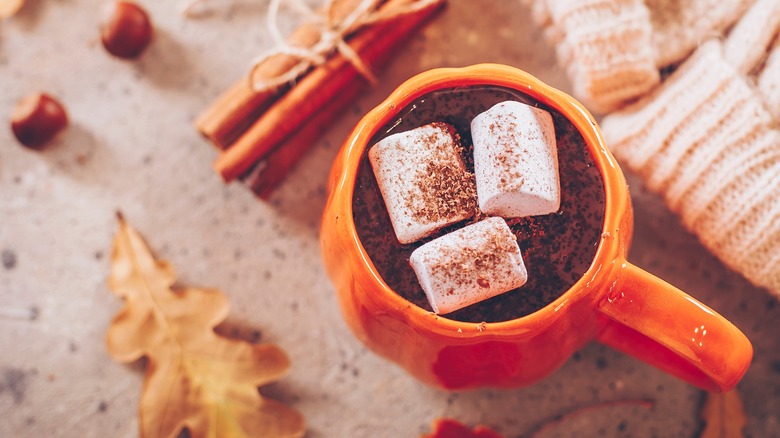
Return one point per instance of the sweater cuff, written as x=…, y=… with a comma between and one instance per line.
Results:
x=606, y=46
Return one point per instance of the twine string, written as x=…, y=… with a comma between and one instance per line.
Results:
x=333, y=34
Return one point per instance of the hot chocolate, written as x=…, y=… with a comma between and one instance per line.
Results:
x=557, y=248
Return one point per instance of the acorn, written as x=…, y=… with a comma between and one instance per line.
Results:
x=125, y=29
x=37, y=119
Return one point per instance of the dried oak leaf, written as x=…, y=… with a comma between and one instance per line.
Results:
x=447, y=428
x=723, y=415
x=194, y=379
x=9, y=8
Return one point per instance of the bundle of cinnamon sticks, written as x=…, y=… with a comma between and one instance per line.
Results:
x=261, y=135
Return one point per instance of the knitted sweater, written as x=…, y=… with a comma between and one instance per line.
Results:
x=706, y=142
x=706, y=137
x=612, y=49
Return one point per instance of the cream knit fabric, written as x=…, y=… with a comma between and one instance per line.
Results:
x=708, y=141
x=605, y=46
x=679, y=26
x=612, y=49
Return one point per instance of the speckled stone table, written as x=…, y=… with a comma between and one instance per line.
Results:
x=131, y=146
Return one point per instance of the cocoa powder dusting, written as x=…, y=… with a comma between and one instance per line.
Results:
x=467, y=265
x=448, y=188
x=509, y=160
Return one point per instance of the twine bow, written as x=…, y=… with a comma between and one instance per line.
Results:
x=333, y=33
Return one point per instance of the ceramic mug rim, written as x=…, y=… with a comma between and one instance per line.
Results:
x=608, y=252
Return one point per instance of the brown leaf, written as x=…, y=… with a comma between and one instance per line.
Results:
x=9, y=8
x=447, y=428
x=723, y=415
x=194, y=379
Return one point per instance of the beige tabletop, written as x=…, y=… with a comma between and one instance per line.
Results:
x=131, y=146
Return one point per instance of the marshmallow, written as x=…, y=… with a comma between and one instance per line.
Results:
x=423, y=180
x=469, y=265
x=516, y=161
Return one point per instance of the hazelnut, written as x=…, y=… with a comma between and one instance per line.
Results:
x=125, y=29
x=37, y=119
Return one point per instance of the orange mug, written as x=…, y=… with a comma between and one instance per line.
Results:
x=614, y=302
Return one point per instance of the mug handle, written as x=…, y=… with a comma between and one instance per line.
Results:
x=659, y=324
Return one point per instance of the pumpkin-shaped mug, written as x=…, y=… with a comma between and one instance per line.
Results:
x=613, y=301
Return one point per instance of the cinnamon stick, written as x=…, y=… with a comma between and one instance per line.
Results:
x=316, y=89
x=275, y=166
x=240, y=105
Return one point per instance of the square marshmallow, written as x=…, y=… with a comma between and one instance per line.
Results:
x=423, y=180
x=516, y=161
x=469, y=265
